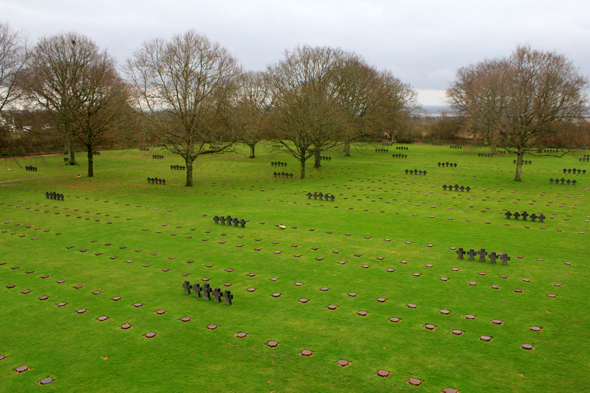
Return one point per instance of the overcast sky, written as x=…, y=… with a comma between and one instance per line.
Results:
x=423, y=42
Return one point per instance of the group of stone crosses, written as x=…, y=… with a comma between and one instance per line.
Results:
x=381, y=150
x=158, y=157
x=415, y=172
x=452, y=165
x=54, y=195
x=278, y=163
x=485, y=154
x=229, y=220
x=324, y=197
x=283, y=174
x=482, y=256
x=455, y=147
x=563, y=181
x=178, y=167
x=325, y=158
x=524, y=216
x=399, y=155
x=526, y=162
x=277, y=146
x=402, y=148
x=550, y=151
x=585, y=158
x=574, y=171
x=207, y=292
x=96, y=153
x=456, y=188
x=155, y=180
x=31, y=168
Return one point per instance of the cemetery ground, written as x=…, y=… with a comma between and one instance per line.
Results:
x=382, y=245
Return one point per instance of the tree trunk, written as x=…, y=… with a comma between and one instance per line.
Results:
x=71, y=152
x=347, y=149
x=252, y=152
x=90, y=161
x=317, y=160
x=493, y=148
x=189, y=170
x=302, y=160
x=519, y=156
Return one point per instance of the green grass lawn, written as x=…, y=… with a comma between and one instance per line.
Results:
x=118, y=236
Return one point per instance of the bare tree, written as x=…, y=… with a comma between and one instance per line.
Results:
x=13, y=57
x=78, y=85
x=306, y=117
x=522, y=101
x=252, y=112
x=374, y=103
x=187, y=85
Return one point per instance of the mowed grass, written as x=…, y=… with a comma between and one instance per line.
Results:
x=380, y=217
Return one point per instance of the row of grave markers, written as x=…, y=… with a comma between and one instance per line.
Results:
x=54, y=195
x=229, y=220
x=526, y=162
x=96, y=153
x=482, y=255
x=207, y=292
x=415, y=172
x=178, y=167
x=456, y=187
x=524, y=216
x=158, y=157
x=399, y=155
x=278, y=163
x=381, y=150
x=445, y=164
x=563, y=181
x=317, y=195
x=283, y=174
x=574, y=171
x=155, y=180
x=31, y=168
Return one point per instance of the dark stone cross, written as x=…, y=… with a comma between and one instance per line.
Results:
x=482, y=255
x=243, y=223
x=217, y=294
x=505, y=258
x=493, y=257
x=456, y=187
x=197, y=290
x=206, y=291
x=444, y=187
x=524, y=215
x=508, y=214
x=228, y=220
x=467, y=188
x=551, y=180
x=471, y=253
x=235, y=221
x=222, y=219
x=187, y=287
x=460, y=253
x=533, y=217
x=216, y=219
x=320, y=195
x=227, y=295
x=541, y=217
x=462, y=188
x=332, y=197
x=315, y=196
x=309, y=195
x=516, y=215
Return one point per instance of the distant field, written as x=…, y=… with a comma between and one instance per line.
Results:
x=385, y=243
